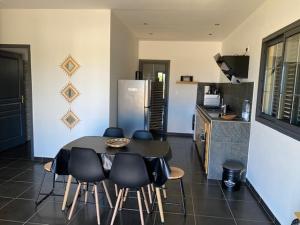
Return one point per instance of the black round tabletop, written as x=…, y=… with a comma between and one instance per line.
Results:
x=148, y=149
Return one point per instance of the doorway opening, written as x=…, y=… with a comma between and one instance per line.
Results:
x=16, y=99
x=158, y=71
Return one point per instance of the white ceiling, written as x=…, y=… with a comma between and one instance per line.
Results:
x=183, y=20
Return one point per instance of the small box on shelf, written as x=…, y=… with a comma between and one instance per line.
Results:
x=186, y=82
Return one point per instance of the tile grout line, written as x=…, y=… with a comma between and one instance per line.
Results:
x=13, y=221
x=193, y=205
x=259, y=201
x=35, y=212
x=228, y=204
x=15, y=198
x=75, y=214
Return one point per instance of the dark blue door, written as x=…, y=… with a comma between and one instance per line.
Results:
x=12, y=113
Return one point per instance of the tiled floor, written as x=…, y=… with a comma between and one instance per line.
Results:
x=207, y=203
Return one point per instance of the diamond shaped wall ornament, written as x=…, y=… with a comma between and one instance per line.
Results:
x=70, y=119
x=70, y=65
x=69, y=92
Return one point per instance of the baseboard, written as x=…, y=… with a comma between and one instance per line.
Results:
x=179, y=134
x=262, y=203
x=42, y=159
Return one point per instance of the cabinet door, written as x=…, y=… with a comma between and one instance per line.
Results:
x=207, y=145
x=196, y=128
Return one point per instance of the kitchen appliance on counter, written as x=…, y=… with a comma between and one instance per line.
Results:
x=211, y=100
x=134, y=97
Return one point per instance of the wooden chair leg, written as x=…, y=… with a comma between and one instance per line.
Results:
x=116, y=207
x=107, y=194
x=122, y=197
x=74, y=201
x=116, y=190
x=66, y=192
x=152, y=187
x=145, y=200
x=97, y=204
x=140, y=207
x=164, y=191
x=160, y=206
x=126, y=194
x=149, y=193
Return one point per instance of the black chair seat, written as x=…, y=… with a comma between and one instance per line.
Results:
x=85, y=165
x=142, y=135
x=113, y=132
x=129, y=171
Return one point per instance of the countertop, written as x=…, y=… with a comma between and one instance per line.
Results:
x=215, y=114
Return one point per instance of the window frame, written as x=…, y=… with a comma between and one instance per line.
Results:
x=268, y=120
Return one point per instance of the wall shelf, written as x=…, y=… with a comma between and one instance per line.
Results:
x=186, y=82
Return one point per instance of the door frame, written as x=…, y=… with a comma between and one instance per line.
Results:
x=27, y=48
x=167, y=63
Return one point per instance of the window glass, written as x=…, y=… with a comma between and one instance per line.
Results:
x=278, y=99
x=288, y=99
x=272, y=79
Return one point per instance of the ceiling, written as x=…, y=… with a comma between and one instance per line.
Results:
x=181, y=20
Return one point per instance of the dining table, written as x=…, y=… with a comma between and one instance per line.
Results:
x=155, y=152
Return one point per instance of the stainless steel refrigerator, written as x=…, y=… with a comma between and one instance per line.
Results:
x=134, y=105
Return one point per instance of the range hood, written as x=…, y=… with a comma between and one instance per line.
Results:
x=234, y=67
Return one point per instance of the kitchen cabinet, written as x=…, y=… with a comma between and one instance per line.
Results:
x=202, y=138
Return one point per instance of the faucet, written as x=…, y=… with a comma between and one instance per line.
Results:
x=223, y=107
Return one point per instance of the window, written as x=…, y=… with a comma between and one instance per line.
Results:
x=278, y=102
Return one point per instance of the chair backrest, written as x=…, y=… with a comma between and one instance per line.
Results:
x=85, y=165
x=142, y=135
x=113, y=132
x=129, y=170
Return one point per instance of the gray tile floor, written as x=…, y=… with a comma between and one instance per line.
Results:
x=207, y=203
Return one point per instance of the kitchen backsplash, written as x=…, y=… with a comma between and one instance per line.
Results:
x=233, y=94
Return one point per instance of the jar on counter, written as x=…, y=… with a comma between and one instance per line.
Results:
x=246, y=110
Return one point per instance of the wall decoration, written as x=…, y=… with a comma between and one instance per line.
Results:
x=69, y=92
x=70, y=66
x=70, y=119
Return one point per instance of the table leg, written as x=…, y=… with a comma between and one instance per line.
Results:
x=66, y=192
x=160, y=206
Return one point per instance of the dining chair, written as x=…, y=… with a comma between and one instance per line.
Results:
x=142, y=135
x=115, y=132
x=145, y=136
x=86, y=167
x=178, y=174
x=129, y=171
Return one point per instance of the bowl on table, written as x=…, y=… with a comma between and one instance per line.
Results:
x=117, y=142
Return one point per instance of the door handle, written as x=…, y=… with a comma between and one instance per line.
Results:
x=22, y=99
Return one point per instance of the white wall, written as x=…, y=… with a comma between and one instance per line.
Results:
x=53, y=35
x=194, y=58
x=123, y=61
x=273, y=166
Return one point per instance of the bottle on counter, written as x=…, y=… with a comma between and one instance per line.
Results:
x=246, y=110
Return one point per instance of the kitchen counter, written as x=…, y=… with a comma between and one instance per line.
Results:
x=215, y=114
x=219, y=140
